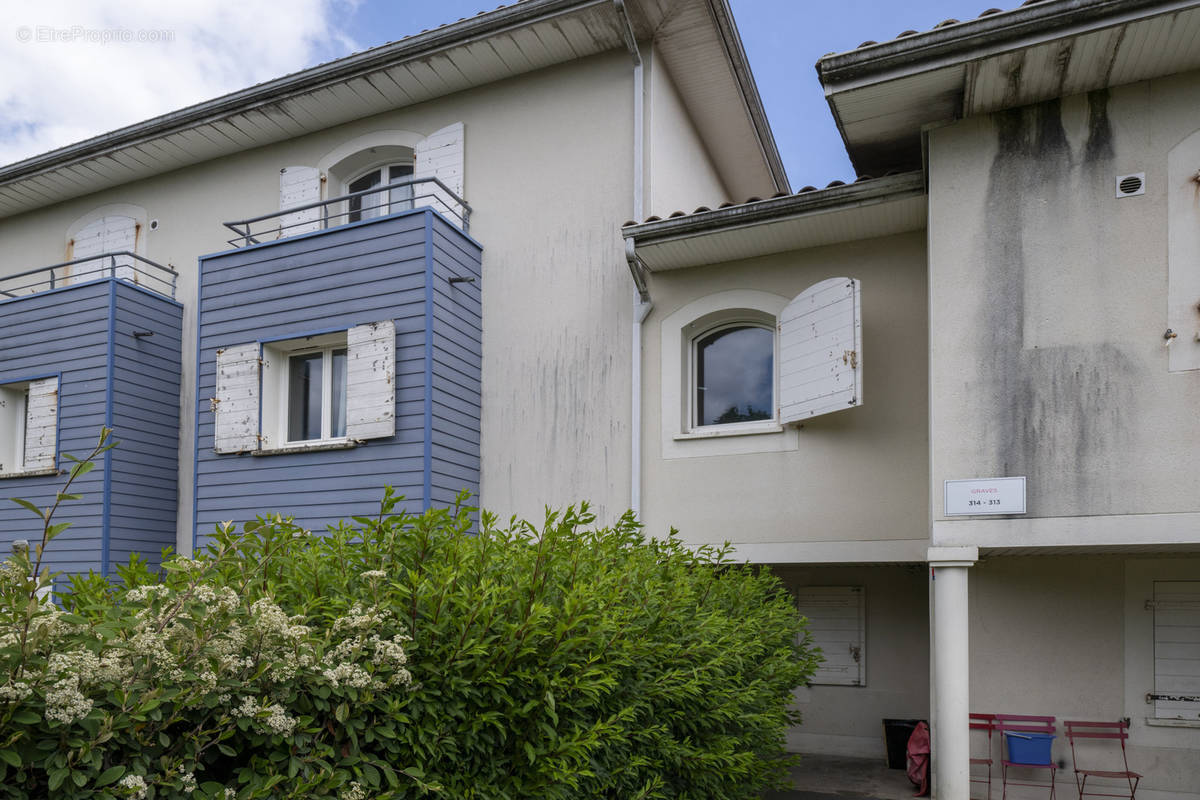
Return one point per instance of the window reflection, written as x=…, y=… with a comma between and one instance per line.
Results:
x=734, y=375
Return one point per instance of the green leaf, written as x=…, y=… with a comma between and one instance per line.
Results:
x=57, y=776
x=10, y=757
x=29, y=505
x=82, y=468
x=110, y=775
x=56, y=529
x=27, y=717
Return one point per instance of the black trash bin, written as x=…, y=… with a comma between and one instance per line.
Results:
x=895, y=735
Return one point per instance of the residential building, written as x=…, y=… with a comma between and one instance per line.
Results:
x=1008, y=308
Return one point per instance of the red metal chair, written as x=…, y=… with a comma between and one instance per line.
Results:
x=1101, y=730
x=984, y=722
x=1026, y=729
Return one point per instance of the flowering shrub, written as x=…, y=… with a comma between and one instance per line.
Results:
x=560, y=662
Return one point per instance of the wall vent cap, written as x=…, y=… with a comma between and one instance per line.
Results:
x=1131, y=185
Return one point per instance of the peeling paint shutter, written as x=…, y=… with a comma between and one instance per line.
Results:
x=105, y=235
x=837, y=622
x=299, y=186
x=235, y=412
x=371, y=381
x=820, y=350
x=440, y=155
x=1177, y=649
x=41, y=425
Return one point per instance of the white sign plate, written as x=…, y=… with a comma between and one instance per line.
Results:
x=985, y=496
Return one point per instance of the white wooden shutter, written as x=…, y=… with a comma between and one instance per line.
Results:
x=837, y=622
x=820, y=351
x=236, y=406
x=299, y=186
x=1177, y=649
x=440, y=155
x=371, y=380
x=41, y=425
x=104, y=235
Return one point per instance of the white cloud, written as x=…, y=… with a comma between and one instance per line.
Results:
x=73, y=69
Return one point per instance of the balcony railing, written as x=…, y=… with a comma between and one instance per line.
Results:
x=377, y=201
x=120, y=264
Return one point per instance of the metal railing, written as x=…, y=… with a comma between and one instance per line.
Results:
x=377, y=201
x=120, y=264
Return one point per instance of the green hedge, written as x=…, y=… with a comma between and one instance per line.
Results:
x=562, y=662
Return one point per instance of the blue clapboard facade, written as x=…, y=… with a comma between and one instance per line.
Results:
x=412, y=270
x=84, y=335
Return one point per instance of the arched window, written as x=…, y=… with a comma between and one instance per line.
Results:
x=733, y=368
x=369, y=206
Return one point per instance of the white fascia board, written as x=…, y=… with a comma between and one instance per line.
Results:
x=976, y=39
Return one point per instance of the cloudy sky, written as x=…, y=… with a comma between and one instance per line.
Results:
x=72, y=69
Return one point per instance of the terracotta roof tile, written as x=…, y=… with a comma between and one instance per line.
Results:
x=749, y=200
x=943, y=24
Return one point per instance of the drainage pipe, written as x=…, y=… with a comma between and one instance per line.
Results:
x=641, y=302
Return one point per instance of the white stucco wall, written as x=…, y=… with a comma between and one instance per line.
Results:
x=548, y=171
x=1048, y=307
x=847, y=486
x=680, y=175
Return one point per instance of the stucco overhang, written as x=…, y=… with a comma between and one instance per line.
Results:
x=698, y=40
x=862, y=210
x=882, y=94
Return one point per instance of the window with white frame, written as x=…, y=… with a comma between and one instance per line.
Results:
x=751, y=362
x=369, y=206
x=837, y=624
x=731, y=367
x=375, y=159
x=304, y=390
x=320, y=390
x=28, y=426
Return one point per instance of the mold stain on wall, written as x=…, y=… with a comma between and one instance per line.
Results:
x=1054, y=406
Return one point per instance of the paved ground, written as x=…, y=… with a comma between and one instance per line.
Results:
x=840, y=778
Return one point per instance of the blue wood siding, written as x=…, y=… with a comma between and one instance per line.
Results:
x=72, y=333
x=331, y=280
x=457, y=360
x=143, y=484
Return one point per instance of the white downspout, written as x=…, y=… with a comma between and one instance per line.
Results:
x=641, y=307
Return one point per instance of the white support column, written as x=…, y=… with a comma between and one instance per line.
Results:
x=951, y=670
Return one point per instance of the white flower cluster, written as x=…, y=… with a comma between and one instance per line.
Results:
x=65, y=703
x=143, y=593
x=354, y=791
x=373, y=575
x=341, y=665
x=269, y=719
x=351, y=675
x=134, y=786
x=389, y=653
x=15, y=691
x=187, y=779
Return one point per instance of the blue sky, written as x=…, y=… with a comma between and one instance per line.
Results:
x=73, y=69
